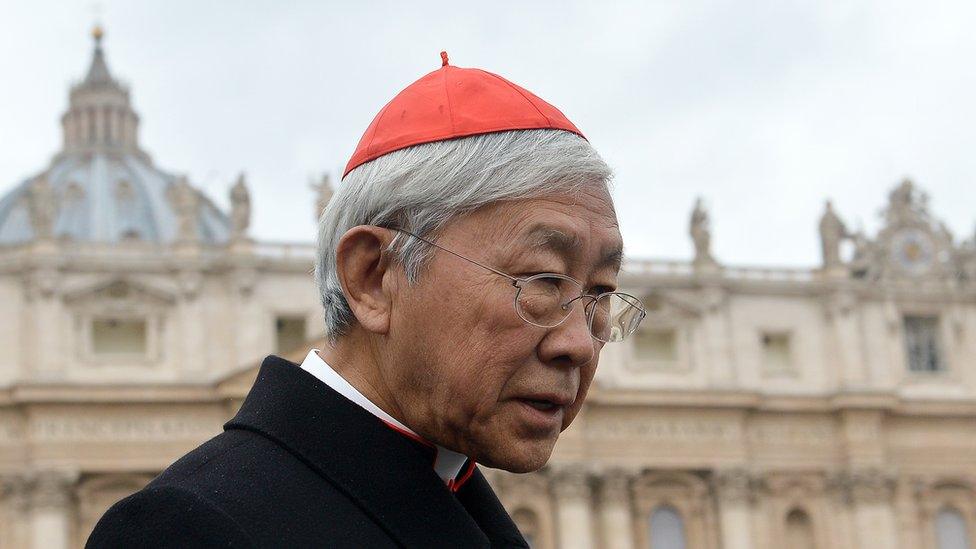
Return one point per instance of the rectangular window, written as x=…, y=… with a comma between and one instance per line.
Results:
x=922, y=344
x=656, y=344
x=776, y=355
x=289, y=334
x=115, y=336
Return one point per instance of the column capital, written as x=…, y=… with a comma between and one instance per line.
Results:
x=571, y=482
x=52, y=488
x=734, y=485
x=15, y=488
x=615, y=486
x=869, y=486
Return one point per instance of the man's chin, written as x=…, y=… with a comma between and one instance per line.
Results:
x=520, y=458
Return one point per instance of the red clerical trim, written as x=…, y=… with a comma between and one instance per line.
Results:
x=410, y=435
x=455, y=485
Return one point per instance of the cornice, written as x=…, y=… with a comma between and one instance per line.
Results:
x=752, y=401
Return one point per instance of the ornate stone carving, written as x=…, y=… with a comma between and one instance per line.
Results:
x=615, y=486
x=52, y=489
x=245, y=278
x=571, y=482
x=190, y=282
x=734, y=485
x=840, y=304
x=15, y=488
x=240, y=209
x=700, y=230
x=323, y=195
x=870, y=485
x=42, y=283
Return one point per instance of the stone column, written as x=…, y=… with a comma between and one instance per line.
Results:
x=874, y=515
x=15, y=494
x=574, y=516
x=617, y=524
x=51, y=510
x=734, y=491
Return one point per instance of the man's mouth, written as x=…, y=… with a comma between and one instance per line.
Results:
x=542, y=405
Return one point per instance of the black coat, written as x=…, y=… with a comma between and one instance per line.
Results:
x=302, y=466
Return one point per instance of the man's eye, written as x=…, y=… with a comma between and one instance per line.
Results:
x=598, y=290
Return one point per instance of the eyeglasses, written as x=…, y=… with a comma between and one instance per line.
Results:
x=547, y=299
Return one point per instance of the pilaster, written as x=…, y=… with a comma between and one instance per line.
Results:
x=572, y=490
x=616, y=514
x=51, y=505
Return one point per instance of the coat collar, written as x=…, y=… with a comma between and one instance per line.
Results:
x=388, y=475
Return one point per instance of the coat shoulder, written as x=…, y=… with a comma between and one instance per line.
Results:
x=167, y=516
x=270, y=494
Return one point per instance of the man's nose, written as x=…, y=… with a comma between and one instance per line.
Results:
x=570, y=343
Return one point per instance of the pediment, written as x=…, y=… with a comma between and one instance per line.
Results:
x=120, y=290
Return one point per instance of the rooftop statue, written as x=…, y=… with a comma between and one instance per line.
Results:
x=42, y=208
x=240, y=209
x=324, y=192
x=700, y=231
x=832, y=232
x=185, y=202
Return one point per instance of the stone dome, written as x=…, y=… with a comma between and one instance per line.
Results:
x=102, y=187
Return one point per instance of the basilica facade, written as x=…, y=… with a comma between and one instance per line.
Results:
x=830, y=407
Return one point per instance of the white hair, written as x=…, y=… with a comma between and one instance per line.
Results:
x=421, y=188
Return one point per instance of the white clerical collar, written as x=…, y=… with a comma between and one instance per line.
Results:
x=447, y=464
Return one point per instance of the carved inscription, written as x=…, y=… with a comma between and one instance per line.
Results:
x=695, y=430
x=122, y=428
x=792, y=434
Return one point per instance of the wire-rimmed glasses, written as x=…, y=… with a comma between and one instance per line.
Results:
x=547, y=299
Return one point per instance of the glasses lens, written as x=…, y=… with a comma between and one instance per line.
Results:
x=546, y=300
x=615, y=316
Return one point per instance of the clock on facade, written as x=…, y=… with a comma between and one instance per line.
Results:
x=913, y=251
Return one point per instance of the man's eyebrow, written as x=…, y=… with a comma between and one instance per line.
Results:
x=549, y=238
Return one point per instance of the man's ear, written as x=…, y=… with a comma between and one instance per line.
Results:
x=361, y=263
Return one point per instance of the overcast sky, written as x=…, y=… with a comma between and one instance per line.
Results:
x=763, y=108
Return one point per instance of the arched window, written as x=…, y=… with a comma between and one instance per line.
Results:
x=799, y=530
x=667, y=529
x=950, y=530
x=528, y=524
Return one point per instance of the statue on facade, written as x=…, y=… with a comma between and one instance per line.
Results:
x=42, y=208
x=185, y=201
x=323, y=194
x=700, y=231
x=240, y=209
x=832, y=232
x=864, y=254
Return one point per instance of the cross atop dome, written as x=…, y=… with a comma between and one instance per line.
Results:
x=98, y=73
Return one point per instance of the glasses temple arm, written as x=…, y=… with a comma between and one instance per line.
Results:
x=497, y=272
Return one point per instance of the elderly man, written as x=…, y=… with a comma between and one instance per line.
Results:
x=468, y=269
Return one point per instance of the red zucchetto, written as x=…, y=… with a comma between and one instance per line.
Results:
x=454, y=102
